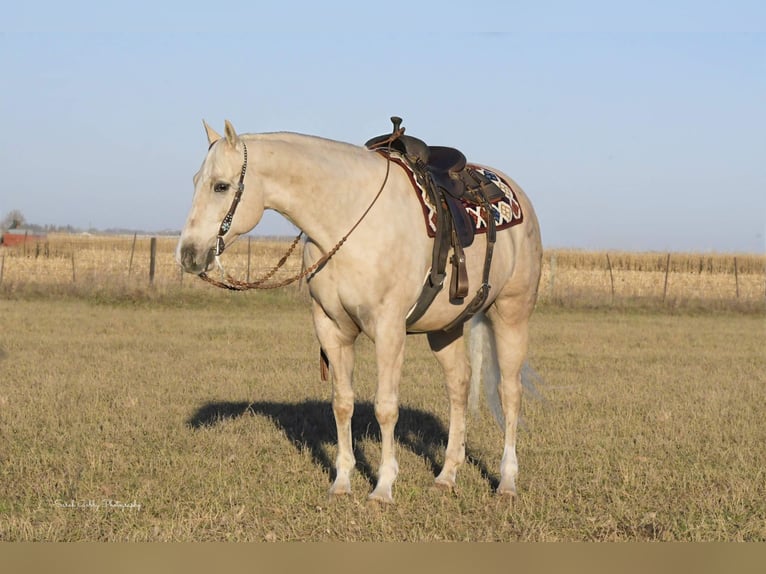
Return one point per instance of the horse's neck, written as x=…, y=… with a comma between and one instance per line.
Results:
x=321, y=186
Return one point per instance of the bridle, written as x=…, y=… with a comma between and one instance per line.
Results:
x=220, y=245
x=260, y=283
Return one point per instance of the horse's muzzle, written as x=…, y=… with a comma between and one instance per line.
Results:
x=193, y=261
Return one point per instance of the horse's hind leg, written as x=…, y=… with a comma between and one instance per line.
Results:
x=510, y=325
x=338, y=345
x=449, y=350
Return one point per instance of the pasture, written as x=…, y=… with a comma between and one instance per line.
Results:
x=199, y=415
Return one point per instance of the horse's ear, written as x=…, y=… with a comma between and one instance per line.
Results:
x=212, y=135
x=231, y=134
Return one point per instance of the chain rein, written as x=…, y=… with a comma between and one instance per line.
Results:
x=236, y=285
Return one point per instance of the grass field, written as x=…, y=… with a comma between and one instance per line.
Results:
x=200, y=415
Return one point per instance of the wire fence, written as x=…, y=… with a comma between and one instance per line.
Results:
x=667, y=277
x=124, y=261
x=568, y=276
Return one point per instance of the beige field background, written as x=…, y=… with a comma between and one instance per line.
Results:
x=118, y=263
x=180, y=412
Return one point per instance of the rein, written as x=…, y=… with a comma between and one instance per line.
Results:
x=232, y=284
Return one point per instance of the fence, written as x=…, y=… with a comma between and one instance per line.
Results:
x=105, y=262
x=592, y=277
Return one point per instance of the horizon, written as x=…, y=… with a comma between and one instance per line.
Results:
x=176, y=233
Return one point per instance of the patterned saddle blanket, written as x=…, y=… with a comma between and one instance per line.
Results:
x=506, y=210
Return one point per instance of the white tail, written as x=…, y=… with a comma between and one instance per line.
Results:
x=485, y=369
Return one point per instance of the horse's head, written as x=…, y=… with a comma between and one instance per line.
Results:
x=222, y=209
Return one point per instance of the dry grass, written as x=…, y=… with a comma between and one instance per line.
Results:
x=699, y=263
x=105, y=263
x=203, y=418
x=579, y=277
x=113, y=265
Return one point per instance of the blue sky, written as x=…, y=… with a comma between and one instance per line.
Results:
x=636, y=126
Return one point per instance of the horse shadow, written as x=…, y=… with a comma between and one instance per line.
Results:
x=309, y=425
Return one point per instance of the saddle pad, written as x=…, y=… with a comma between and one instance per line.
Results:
x=506, y=211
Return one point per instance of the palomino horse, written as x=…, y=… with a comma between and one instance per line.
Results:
x=370, y=283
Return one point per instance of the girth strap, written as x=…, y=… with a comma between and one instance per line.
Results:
x=483, y=292
x=458, y=288
x=435, y=280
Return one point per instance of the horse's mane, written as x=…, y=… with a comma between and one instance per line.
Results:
x=296, y=138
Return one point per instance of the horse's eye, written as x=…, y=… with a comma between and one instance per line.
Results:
x=221, y=187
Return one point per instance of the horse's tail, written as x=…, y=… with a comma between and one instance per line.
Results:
x=486, y=369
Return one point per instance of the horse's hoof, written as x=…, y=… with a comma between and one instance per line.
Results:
x=339, y=490
x=380, y=498
x=333, y=496
x=507, y=494
x=444, y=486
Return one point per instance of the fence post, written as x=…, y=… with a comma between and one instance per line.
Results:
x=132, y=250
x=2, y=266
x=152, y=258
x=665, y=288
x=611, y=277
x=74, y=277
x=249, y=238
x=736, y=277
x=553, y=275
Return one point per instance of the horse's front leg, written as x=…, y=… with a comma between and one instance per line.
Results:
x=338, y=345
x=389, y=350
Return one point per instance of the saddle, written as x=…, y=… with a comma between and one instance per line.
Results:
x=452, y=186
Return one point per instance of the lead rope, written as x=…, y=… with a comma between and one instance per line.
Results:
x=236, y=285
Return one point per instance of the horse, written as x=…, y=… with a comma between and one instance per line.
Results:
x=368, y=280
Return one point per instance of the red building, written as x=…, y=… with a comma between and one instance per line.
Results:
x=13, y=237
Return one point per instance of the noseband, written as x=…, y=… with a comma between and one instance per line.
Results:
x=226, y=223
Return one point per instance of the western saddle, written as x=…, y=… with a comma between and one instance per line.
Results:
x=451, y=184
